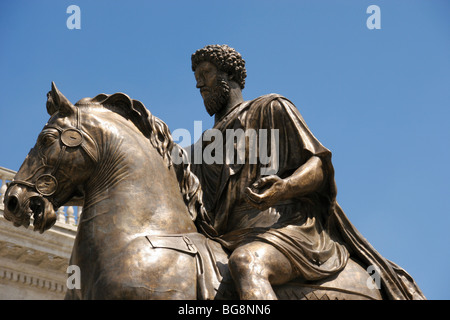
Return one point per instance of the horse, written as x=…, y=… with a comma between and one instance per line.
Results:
x=138, y=235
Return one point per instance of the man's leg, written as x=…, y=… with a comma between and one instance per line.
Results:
x=255, y=267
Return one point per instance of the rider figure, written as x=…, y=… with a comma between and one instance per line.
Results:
x=275, y=225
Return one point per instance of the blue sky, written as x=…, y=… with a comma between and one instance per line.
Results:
x=378, y=99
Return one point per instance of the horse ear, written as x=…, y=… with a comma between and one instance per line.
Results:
x=56, y=101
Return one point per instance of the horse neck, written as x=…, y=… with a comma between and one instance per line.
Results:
x=133, y=187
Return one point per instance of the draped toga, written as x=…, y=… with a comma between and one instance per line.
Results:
x=312, y=231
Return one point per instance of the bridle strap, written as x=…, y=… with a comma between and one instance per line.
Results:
x=47, y=184
x=58, y=162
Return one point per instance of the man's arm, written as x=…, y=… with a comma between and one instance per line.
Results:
x=269, y=190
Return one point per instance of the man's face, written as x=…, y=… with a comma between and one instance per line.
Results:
x=213, y=86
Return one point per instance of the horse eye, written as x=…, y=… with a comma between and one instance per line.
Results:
x=46, y=140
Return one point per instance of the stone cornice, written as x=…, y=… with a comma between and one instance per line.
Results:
x=34, y=265
x=12, y=277
x=57, y=241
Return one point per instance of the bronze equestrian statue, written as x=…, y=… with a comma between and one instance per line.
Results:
x=155, y=228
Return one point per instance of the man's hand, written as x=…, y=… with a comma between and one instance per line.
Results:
x=269, y=190
x=266, y=192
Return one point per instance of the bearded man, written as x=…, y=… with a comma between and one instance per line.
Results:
x=282, y=226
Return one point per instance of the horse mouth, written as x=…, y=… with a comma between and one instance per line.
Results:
x=37, y=207
x=44, y=216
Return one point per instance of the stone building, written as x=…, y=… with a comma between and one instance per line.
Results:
x=33, y=265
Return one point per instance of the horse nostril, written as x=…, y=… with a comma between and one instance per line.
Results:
x=12, y=204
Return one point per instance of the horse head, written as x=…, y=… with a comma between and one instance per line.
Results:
x=47, y=179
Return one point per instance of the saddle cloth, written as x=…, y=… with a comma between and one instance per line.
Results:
x=213, y=277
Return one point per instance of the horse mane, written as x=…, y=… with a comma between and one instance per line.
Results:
x=160, y=137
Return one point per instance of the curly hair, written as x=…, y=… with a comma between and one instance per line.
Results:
x=224, y=58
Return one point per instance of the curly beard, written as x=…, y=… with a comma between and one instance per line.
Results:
x=218, y=98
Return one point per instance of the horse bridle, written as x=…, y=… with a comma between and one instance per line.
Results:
x=47, y=184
